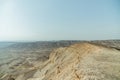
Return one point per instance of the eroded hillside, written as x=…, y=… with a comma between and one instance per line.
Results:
x=83, y=61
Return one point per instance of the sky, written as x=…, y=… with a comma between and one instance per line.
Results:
x=35, y=20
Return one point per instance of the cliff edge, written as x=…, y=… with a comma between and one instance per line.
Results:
x=84, y=61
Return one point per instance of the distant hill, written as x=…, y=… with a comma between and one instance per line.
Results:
x=56, y=44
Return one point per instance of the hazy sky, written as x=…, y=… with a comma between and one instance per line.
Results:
x=29, y=20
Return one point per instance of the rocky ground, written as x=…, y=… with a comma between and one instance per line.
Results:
x=83, y=60
x=21, y=57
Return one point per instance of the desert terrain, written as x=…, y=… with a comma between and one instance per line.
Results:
x=61, y=60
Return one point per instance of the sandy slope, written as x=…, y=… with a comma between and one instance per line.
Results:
x=82, y=61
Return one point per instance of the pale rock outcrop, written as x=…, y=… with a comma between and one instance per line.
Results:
x=82, y=61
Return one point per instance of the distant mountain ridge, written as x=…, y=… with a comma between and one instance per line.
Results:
x=63, y=43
